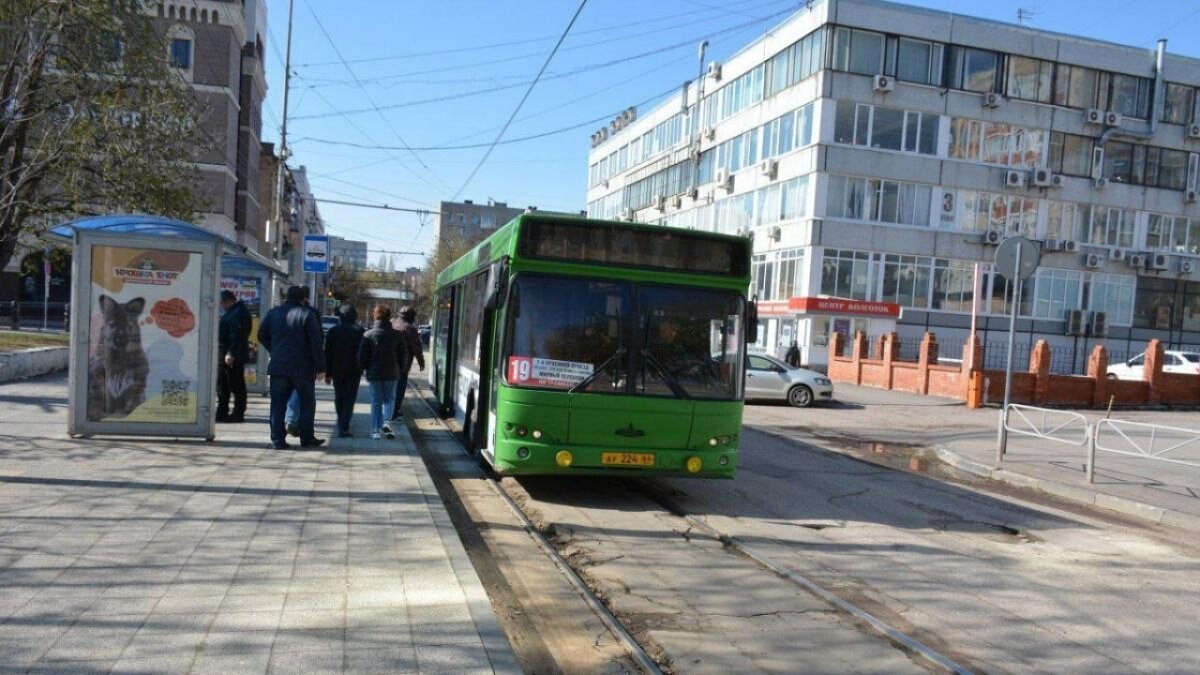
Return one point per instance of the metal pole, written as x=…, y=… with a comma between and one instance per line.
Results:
x=280, y=191
x=46, y=289
x=1092, y=430
x=695, y=121
x=1002, y=434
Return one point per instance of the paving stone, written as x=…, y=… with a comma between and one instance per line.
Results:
x=453, y=659
x=387, y=660
x=229, y=664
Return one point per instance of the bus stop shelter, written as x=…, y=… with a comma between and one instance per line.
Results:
x=144, y=321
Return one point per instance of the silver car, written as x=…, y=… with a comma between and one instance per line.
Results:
x=768, y=378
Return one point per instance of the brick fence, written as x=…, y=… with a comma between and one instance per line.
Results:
x=970, y=382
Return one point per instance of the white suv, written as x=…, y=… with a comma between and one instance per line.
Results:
x=1173, y=362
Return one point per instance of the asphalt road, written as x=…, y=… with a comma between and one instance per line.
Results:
x=997, y=584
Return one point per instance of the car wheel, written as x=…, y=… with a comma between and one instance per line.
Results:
x=800, y=396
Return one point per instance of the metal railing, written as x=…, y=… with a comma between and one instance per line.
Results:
x=1058, y=426
x=1150, y=441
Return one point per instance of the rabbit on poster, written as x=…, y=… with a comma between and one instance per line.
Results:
x=118, y=367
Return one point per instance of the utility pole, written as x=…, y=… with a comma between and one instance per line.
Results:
x=696, y=135
x=281, y=174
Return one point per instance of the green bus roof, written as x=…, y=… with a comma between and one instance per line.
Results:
x=504, y=242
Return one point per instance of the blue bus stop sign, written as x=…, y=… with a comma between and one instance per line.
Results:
x=316, y=253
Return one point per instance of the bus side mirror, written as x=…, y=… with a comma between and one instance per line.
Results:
x=496, y=285
x=752, y=323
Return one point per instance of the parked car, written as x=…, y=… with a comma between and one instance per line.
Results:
x=328, y=322
x=1173, y=362
x=768, y=378
x=424, y=330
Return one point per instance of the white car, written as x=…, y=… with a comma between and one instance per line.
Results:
x=768, y=378
x=1173, y=362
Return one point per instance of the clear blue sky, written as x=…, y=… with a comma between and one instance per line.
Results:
x=389, y=43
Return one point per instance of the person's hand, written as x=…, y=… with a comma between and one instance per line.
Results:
x=229, y=359
x=421, y=367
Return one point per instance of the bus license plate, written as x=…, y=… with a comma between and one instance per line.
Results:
x=627, y=458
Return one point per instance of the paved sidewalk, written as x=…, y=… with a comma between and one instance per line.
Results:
x=1151, y=489
x=228, y=557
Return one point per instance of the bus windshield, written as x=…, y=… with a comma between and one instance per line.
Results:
x=575, y=334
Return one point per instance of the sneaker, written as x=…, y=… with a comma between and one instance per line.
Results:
x=293, y=430
x=314, y=443
x=387, y=430
x=375, y=435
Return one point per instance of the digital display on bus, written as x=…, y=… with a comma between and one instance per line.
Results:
x=651, y=248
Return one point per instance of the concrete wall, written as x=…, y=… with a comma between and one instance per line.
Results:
x=27, y=363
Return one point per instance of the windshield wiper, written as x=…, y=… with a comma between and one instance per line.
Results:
x=676, y=388
x=597, y=372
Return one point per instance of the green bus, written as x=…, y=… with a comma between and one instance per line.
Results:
x=573, y=346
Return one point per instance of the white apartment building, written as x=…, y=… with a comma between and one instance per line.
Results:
x=878, y=152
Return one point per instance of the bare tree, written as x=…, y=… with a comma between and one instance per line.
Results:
x=450, y=248
x=93, y=116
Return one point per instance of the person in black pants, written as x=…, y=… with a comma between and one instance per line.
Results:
x=291, y=332
x=341, y=365
x=233, y=341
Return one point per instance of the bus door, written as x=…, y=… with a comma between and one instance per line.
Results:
x=444, y=341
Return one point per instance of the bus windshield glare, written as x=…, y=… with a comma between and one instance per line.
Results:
x=576, y=334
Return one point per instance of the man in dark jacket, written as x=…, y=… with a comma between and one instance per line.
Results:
x=412, y=340
x=291, y=332
x=341, y=365
x=381, y=355
x=233, y=342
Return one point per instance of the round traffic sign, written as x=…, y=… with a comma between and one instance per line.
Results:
x=1013, y=249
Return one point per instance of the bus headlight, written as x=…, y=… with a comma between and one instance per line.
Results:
x=722, y=460
x=713, y=441
x=563, y=458
x=537, y=433
x=521, y=430
x=523, y=453
x=724, y=440
x=693, y=464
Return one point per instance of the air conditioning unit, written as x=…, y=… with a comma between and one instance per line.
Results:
x=694, y=193
x=992, y=100
x=745, y=232
x=1190, y=196
x=1193, y=131
x=1093, y=261
x=1070, y=246
x=1116, y=254
x=1014, y=179
x=660, y=202
x=769, y=168
x=677, y=201
x=1042, y=178
x=1056, y=181
x=1075, y=319
x=775, y=232
x=1098, y=325
x=1156, y=261
x=1112, y=119
x=627, y=214
x=1186, y=267
x=1052, y=245
x=710, y=133
x=725, y=180
x=884, y=83
x=993, y=237
x=1099, y=183
x=1135, y=260
x=714, y=70
x=1093, y=116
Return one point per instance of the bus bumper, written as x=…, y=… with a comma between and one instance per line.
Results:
x=591, y=461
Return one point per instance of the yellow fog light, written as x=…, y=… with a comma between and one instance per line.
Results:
x=713, y=441
x=693, y=464
x=563, y=458
x=537, y=433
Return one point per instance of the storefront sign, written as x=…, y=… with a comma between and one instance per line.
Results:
x=809, y=305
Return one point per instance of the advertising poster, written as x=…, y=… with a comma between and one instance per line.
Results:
x=248, y=290
x=143, y=338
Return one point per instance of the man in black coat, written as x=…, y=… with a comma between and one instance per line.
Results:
x=233, y=341
x=412, y=340
x=341, y=365
x=291, y=332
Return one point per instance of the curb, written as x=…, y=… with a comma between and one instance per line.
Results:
x=1073, y=493
x=23, y=364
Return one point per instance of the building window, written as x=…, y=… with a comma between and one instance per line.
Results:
x=953, y=285
x=1071, y=155
x=1177, y=103
x=762, y=272
x=858, y=51
x=1112, y=227
x=974, y=69
x=1155, y=304
x=181, y=53
x=1030, y=79
x=919, y=62
x=1075, y=87
x=1112, y=294
x=996, y=143
x=1066, y=220
x=1057, y=291
x=1129, y=95
x=905, y=280
x=886, y=128
x=791, y=273
x=846, y=274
